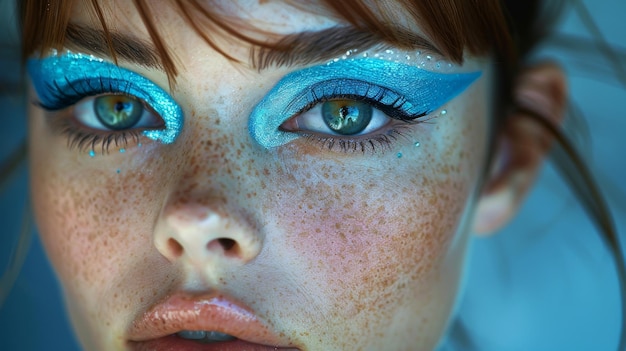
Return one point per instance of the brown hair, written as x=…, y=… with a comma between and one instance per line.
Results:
x=508, y=29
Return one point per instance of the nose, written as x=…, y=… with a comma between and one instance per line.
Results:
x=198, y=236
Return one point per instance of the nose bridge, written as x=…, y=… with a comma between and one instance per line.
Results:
x=204, y=221
x=205, y=236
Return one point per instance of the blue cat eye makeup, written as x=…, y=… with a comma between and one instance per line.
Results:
x=63, y=80
x=401, y=91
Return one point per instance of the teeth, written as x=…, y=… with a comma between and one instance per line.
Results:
x=217, y=336
x=204, y=336
x=192, y=334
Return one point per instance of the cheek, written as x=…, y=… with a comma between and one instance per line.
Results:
x=93, y=221
x=363, y=250
x=377, y=224
x=372, y=238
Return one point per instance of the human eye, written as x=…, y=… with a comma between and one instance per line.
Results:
x=96, y=103
x=115, y=112
x=353, y=104
x=353, y=114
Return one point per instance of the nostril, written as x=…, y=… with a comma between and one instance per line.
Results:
x=228, y=246
x=174, y=247
x=226, y=243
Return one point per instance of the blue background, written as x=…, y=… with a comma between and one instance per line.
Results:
x=544, y=283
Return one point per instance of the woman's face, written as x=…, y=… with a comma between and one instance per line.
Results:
x=267, y=226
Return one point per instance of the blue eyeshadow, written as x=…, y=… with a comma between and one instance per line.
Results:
x=422, y=92
x=85, y=75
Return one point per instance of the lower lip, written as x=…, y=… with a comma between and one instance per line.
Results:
x=175, y=343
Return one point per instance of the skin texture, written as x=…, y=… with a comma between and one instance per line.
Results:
x=334, y=250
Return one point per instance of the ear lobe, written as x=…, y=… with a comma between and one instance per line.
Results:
x=522, y=145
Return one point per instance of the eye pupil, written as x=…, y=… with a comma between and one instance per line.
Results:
x=118, y=111
x=346, y=117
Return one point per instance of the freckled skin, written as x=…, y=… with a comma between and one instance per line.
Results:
x=360, y=251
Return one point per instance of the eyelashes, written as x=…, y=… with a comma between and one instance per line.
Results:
x=58, y=98
x=63, y=81
x=386, y=100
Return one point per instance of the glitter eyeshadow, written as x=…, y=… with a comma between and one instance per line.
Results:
x=94, y=76
x=424, y=91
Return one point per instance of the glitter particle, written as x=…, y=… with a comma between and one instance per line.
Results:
x=122, y=151
x=92, y=153
x=118, y=171
x=417, y=144
x=399, y=155
x=444, y=112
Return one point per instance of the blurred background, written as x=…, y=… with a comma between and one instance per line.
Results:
x=545, y=283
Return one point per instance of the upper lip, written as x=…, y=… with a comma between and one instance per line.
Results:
x=212, y=312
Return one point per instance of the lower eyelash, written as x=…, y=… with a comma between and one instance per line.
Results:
x=377, y=143
x=83, y=141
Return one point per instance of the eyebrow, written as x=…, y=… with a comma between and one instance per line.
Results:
x=292, y=49
x=318, y=46
x=126, y=47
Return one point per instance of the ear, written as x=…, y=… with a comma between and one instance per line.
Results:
x=522, y=144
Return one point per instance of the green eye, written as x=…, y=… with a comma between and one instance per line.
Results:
x=118, y=112
x=346, y=117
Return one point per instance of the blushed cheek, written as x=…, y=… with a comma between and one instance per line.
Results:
x=374, y=241
x=80, y=230
x=406, y=234
x=94, y=222
x=367, y=248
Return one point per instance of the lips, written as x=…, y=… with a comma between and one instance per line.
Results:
x=156, y=329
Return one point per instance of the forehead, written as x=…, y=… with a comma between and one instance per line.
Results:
x=268, y=16
x=306, y=31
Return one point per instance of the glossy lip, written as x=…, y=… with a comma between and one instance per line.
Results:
x=212, y=312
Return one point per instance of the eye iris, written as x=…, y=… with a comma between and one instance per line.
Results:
x=118, y=111
x=346, y=117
